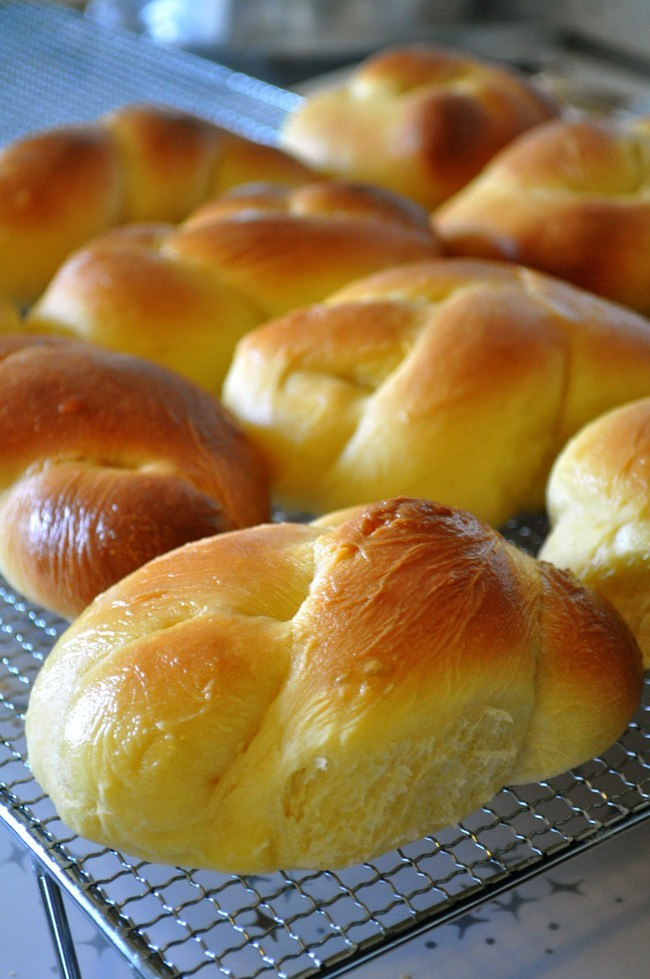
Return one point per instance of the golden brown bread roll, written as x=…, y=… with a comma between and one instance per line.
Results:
x=569, y=198
x=184, y=296
x=599, y=504
x=420, y=120
x=105, y=462
x=9, y=318
x=454, y=380
x=304, y=696
x=63, y=187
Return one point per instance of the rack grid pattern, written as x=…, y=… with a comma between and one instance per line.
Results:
x=173, y=922
x=182, y=922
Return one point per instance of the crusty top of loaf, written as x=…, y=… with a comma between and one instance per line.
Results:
x=311, y=695
x=419, y=119
x=570, y=197
x=105, y=461
x=456, y=380
x=61, y=187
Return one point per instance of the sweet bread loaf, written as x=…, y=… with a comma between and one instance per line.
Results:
x=452, y=380
x=62, y=187
x=569, y=198
x=105, y=462
x=184, y=296
x=311, y=696
x=419, y=119
x=9, y=318
x=599, y=504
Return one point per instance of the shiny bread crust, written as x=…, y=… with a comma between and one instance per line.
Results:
x=105, y=462
x=312, y=695
x=598, y=500
x=61, y=187
x=569, y=198
x=421, y=120
x=183, y=296
x=455, y=380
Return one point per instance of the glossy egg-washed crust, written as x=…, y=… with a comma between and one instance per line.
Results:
x=105, y=462
x=183, y=296
x=599, y=503
x=420, y=120
x=569, y=198
x=454, y=380
x=62, y=187
x=313, y=695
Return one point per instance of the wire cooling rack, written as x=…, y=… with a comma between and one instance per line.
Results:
x=178, y=922
x=173, y=922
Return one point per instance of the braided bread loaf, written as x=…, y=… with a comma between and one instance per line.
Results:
x=184, y=296
x=454, y=380
x=9, y=318
x=420, y=120
x=599, y=504
x=569, y=198
x=105, y=462
x=63, y=187
x=310, y=696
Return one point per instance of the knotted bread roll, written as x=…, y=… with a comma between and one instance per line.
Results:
x=420, y=120
x=62, y=187
x=569, y=198
x=599, y=504
x=105, y=462
x=454, y=380
x=184, y=296
x=308, y=696
x=9, y=318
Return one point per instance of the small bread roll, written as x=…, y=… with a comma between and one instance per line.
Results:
x=453, y=380
x=105, y=462
x=9, y=318
x=599, y=504
x=568, y=198
x=420, y=120
x=183, y=297
x=60, y=188
x=304, y=696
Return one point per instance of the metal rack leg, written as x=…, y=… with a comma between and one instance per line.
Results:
x=57, y=920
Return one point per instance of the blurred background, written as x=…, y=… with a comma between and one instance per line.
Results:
x=286, y=41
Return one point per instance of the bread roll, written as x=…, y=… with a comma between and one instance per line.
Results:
x=568, y=198
x=9, y=318
x=62, y=187
x=599, y=505
x=105, y=462
x=420, y=120
x=454, y=380
x=183, y=297
x=302, y=696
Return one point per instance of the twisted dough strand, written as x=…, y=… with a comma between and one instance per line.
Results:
x=451, y=380
x=418, y=119
x=63, y=187
x=313, y=695
x=184, y=296
x=569, y=198
x=105, y=462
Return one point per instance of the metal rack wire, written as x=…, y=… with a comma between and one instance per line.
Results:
x=176, y=922
x=173, y=922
